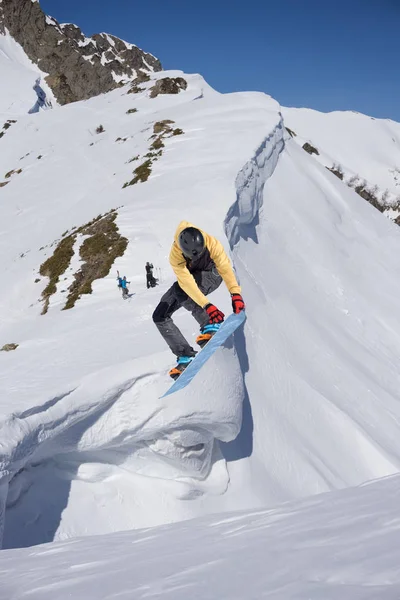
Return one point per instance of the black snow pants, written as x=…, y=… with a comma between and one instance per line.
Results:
x=151, y=281
x=175, y=298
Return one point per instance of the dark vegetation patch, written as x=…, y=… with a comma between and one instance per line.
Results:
x=9, y=347
x=162, y=126
x=131, y=111
x=55, y=266
x=39, y=157
x=157, y=144
x=98, y=253
x=7, y=126
x=154, y=155
x=100, y=129
x=119, y=139
x=162, y=130
x=310, y=149
x=168, y=85
x=291, y=132
x=11, y=173
x=141, y=173
x=133, y=158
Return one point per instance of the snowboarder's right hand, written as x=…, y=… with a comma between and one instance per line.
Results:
x=216, y=316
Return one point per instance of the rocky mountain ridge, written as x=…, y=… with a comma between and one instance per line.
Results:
x=78, y=67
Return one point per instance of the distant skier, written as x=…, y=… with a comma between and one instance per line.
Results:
x=123, y=285
x=151, y=281
x=200, y=264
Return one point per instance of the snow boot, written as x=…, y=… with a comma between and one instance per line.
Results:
x=183, y=362
x=206, y=333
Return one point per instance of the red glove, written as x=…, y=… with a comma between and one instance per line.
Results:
x=216, y=316
x=237, y=303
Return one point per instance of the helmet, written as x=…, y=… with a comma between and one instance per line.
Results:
x=191, y=242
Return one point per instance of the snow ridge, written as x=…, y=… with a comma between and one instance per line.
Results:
x=250, y=182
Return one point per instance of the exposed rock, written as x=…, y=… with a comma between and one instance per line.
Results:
x=336, y=172
x=291, y=132
x=310, y=149
x=135, y=86
x=370, y=197
x=78, y=67
x=168, y=85
x=8, y=347
x=163, y=126
x=141, y=78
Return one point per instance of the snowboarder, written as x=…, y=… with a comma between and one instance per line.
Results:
x=151, y=281
x=200, y=264
x=123, y=285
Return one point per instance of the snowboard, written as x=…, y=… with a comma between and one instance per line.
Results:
x=226, y=330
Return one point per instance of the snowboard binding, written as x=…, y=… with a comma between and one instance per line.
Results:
x=183, y=362
x=206, y=333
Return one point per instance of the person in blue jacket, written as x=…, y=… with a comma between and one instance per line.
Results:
x=123, y=285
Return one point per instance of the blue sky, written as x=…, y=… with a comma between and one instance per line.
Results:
x=323, y=54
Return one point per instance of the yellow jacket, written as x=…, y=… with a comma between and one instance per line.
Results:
x=218, y=255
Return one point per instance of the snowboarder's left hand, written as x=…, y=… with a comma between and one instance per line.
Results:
x=237, y=303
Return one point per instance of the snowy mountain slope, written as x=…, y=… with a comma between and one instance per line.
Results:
x=110, y=437
x=361, y=145
x=23, y=87
x=338, y=546
x=322, y=338
x=86, y=445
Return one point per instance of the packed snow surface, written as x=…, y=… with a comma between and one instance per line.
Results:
x=303, y=400
x=344, y=545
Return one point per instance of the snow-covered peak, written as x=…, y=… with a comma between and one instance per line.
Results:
x=78, y=67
